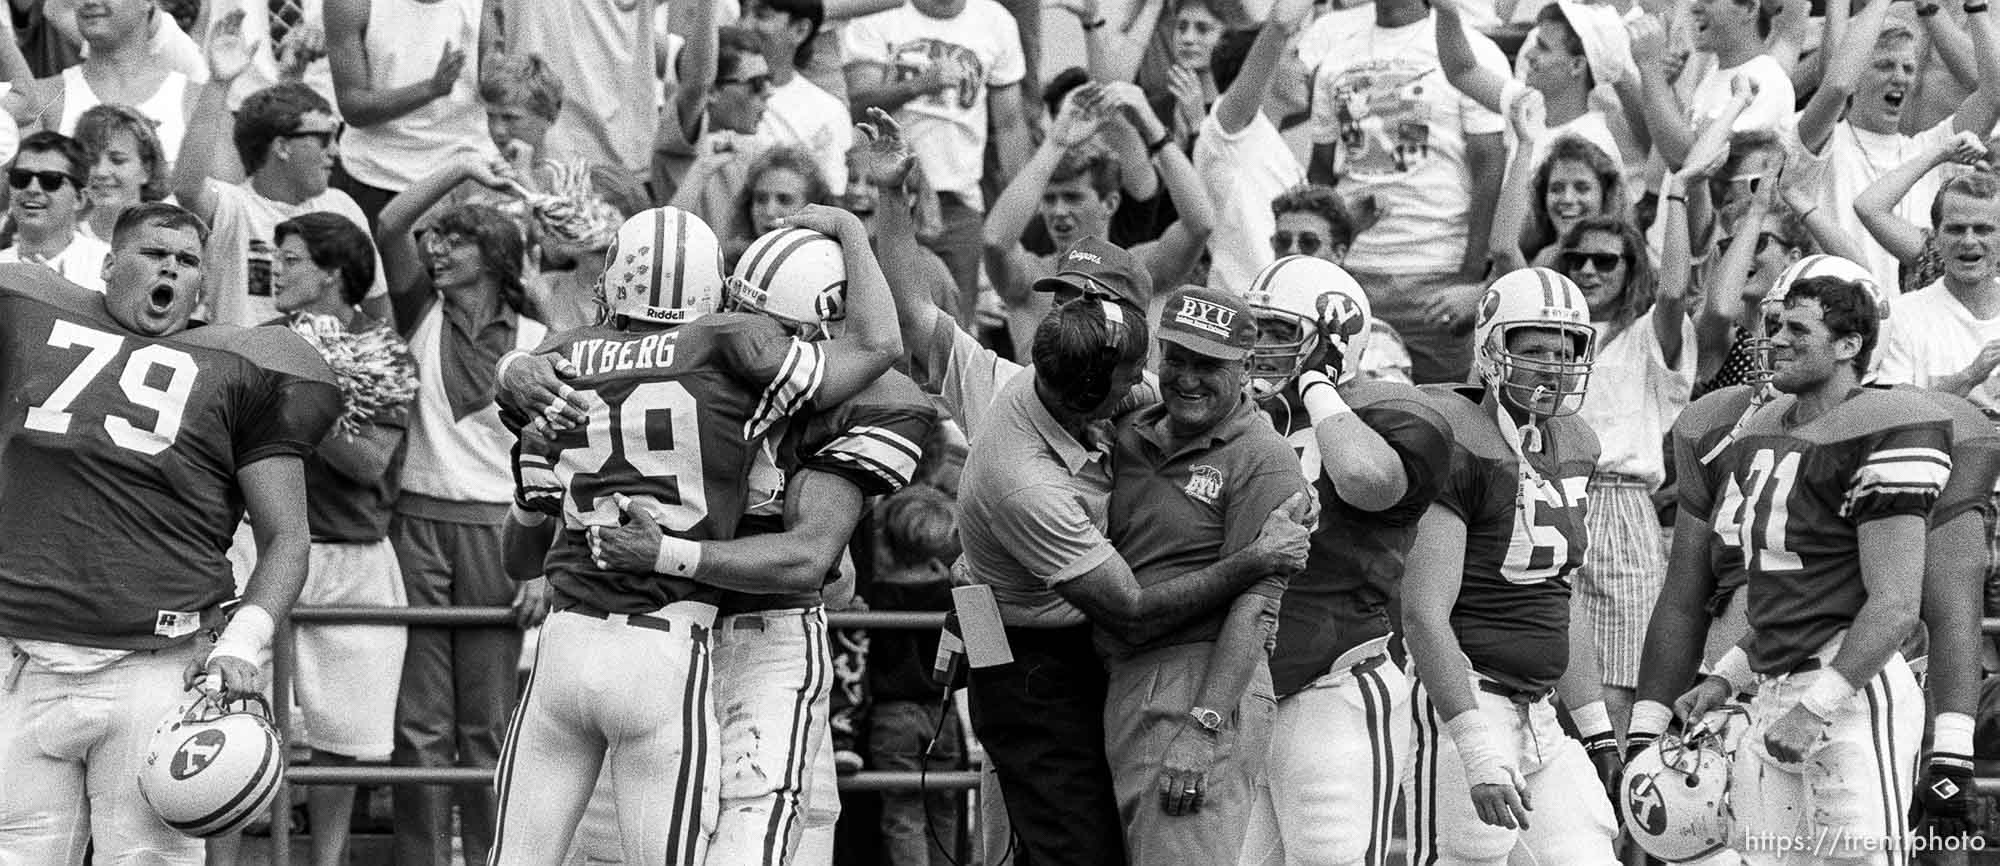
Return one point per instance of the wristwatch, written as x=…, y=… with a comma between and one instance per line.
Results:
x=1209, y=720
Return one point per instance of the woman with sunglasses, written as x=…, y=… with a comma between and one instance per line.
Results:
x=1645, y=369
x=46, y=202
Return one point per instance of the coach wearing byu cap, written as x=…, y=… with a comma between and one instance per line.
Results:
x=1200, y=475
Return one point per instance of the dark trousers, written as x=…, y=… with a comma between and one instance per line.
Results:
x=458, y=687
x=371, y=199
x=1042, y=721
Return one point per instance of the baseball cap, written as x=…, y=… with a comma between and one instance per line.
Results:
x=1212, y=322
x=1095, y=266
x=1607, y=46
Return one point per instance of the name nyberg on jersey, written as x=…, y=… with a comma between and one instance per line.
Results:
x=119, y=461
x=1792, y=500
x=677, y=414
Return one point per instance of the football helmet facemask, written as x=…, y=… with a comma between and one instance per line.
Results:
x=1305, y=305
x=1675, y=795
x=211, y=769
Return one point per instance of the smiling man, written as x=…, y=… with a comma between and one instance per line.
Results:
x=1188, y=714
x=47, y=180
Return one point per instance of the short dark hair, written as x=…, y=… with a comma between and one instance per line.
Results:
x=1642, y=285
x=61, y=145
x=334, y=242
x=732, y=45
x=1059, y=87
x=522, y=77
x=919, y=524
x=1322, y=201
x=1092, y=164
x=1575, y=148
x=1846, y=306
x=270, y=114
x=813, y=12
x=160, y=214
x=501, y=248
x=1070, y=341
x=95, y=128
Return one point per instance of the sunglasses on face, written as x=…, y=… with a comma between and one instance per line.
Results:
x=325, y=137
x=757, y=84
x=1764, y=240
x=50, y=181
x=1603, y=263
x=1307, y=243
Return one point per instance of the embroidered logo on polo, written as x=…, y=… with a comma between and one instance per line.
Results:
x=1203, y=315
x=1204, y=484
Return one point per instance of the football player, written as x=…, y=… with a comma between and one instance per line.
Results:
x=681, y=397
x=1824, y=493
x=1486, y=602
x=130, y=448
x=1375, y=453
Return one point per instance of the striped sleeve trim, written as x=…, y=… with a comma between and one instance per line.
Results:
x=883, y=452
x=1899, y=472
x=797, y=382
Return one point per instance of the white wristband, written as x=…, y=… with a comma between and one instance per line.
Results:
x=1828, y=693
x=1952, y=732
x=524, y=517
x=1651, y=718
x=1321, y=402
x=1476, y=752
x=1734, y=668
x=507, y=360
x=678, y=556
x=248, y=635
x=1591, y=719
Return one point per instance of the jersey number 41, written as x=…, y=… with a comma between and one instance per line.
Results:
x=1754, y=513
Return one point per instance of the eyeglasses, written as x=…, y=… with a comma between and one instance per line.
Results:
x=757, y=84
x=1308, y=243
x=1764, y=240
x=50, y=181
x=325, y=137
x=1604, y=263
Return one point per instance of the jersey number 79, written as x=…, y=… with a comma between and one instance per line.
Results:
x=1753, y=514
x=168, y=403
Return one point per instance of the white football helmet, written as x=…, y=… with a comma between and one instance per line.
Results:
x=209, y=769
x=797, y=276
x=1675, y=795
x=1773, y=304
x=664, y=267
x=1535, y=298
x=1303, y=303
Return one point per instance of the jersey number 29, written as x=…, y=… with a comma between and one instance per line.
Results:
x=1754, y=519
x=674, y=459
x=169, y=403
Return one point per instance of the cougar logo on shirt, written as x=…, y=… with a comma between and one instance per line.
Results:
x=1213, y=318
x=1204, y=484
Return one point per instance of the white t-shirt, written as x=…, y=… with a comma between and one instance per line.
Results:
x=239, y=253
x=1635, y=397
x=402, y=47
x=1400, y=131
x=82, y=262
x=603, y=54
x=1854, y=159
x=1243, y=173
x=801, y=115
x=1930, y=335
x=1772, y=107
x=978, y=49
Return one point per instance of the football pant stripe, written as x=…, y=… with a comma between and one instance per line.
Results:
x=1376, y=702
x=1424, y=804
x=686, y=820
x=504, y=773
x=1882, y=737
x=791, y=799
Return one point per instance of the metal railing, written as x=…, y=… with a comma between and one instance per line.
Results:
x=282, y=665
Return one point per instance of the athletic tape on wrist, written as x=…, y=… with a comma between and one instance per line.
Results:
x=1734, y=669
x=1952, y=733
x=1591, y=720
x=1322, y=399
x=678, y=556
x=508, y=360
x=248, y=635
x=1650, y=718
x=1476, y=751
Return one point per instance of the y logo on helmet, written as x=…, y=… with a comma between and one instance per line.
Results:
x=1342, y=314
x=196, y=753
x=1489, y=306
x=831, y=305
x=1648, y=807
